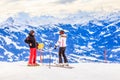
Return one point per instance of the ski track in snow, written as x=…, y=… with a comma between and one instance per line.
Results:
x=81, y=71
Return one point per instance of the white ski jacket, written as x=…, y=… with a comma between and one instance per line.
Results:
x=62, y=41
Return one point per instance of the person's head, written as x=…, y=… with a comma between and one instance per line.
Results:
x=61, y=32
x=32, y=33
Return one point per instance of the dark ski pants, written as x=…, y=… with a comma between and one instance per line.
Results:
x=62, y=55
x=32, y=58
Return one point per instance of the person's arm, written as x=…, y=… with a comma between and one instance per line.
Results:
x=57, y=44
x=37, y=45
x=27, y=40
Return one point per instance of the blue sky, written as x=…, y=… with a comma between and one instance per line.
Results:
x=59, y=8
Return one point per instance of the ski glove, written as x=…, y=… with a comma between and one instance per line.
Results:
x=55, y=47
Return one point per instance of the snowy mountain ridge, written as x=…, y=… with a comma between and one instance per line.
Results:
x=89, y=35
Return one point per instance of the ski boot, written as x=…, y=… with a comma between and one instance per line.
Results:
x=66, y=64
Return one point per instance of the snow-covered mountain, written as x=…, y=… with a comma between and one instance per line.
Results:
x=89, y=36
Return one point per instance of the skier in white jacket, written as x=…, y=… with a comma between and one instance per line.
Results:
x=62, y=47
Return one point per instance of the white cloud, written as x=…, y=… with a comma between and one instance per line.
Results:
x=50, y=7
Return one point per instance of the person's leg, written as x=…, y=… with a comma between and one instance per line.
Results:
x=60, y=55
x=64, y=56
x=31, y=57
x=34, y=56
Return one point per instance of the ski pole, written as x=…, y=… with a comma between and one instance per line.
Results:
x=41, y=56
x=105, y=58
x=50, y=56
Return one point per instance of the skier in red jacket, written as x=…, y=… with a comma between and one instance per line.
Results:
x=31, y=41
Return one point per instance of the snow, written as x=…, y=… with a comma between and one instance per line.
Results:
x=107, y=35
x=90, y=32
x=82, y=37
x=90, y=45
x=116, y=50
x=102, y=33
x=96, y=55
x=9, y=41
x=81, y=71
x=82, y=58
x=79, y=51
x=112, y=24
x=97, y=23
x=43, y=35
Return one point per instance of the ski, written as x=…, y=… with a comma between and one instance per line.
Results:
x=61, y=66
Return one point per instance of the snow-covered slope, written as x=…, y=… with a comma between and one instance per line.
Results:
x=81, y=71
x=89, y=35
